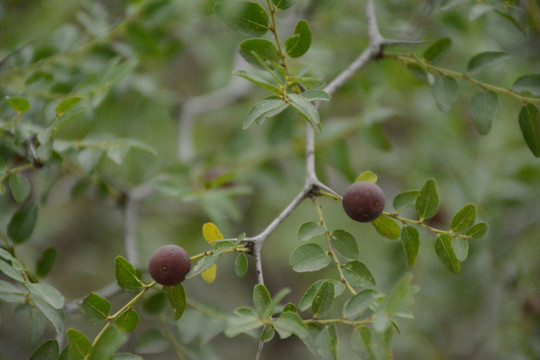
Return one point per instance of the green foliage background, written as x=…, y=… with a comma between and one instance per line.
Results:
x=385, y=120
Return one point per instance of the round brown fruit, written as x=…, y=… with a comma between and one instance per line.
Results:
x=363, y=201
x=169, y=265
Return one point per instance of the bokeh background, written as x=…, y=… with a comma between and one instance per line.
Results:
x=385, y=120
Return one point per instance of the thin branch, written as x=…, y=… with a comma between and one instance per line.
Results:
x=259, y=350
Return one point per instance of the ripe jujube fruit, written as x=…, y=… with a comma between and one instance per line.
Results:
x=363, y=201
x=169, y=265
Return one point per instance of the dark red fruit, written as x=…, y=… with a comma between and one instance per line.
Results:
x=169, y=265
x=363, y=201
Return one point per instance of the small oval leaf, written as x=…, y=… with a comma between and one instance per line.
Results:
x=410, y=240
x=256, y=50
x=445, y=92
x=241, y=265
x=367, y=175
x=358, y=275
x=427, y=202
x=345, y=244
x=323, y=300
x=528, y=83
x=19, y=186
x=387, y=227
x=484, y=105
x=126, y=275
x=66, y=105
x=243, y=16
x=445, y=252
x=309, y=257
x=20, y=105
x=309, y=230
x=437, y=49
x=298, y=44
x=22, y=223
x=405, y=200
x=464, y=218
x=128, y=321
x=529, y=123
x=477, y=231
x=484, y=59
x=177, y=299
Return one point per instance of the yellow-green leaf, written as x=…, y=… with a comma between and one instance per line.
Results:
x=367, y=176
x=209, y=275
x=211, y=232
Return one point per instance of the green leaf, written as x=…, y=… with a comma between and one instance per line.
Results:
x=464, y=218
x=529, y=122
x=20, y=105
x=22, y=223
x=311, y=292
x=243, y=16
x=66, y=105
x=316, y=95
x=445, y=92
x=306, y=109
x=95, y=308
x=477, y=231
x=265, y=50
x=246, y=319
x=427, y=202
x=14, y=293
x=107, y=344
x=241, y=265
x=46, y=262
x=410, y=240
x=49, y=350
x=309, y=257
x=358, y=275
x=327, y=343
x=387, y=227
x=128, y=321
x=12, y=270
x=290, y=323
x=47, y=293
x=364, y=335
x=262, y=301
x=437, y=49
x=177, y=299
x=323, y=300
x=267, y=333
x=481, y=60
x=78, y=345
x=126, y=275
x=263, y=109
x=359, y=303
x=345, y=244
x=527, y=83
x=405, y=200
x=55, y=316
x=19, y=186
x=299, y=43
x=484, y=105
x=283, y=4
x=461, y=248
x=259, y=81
x=445, y=252
x=309, y=230
x=400, y=299
x=367, y=175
